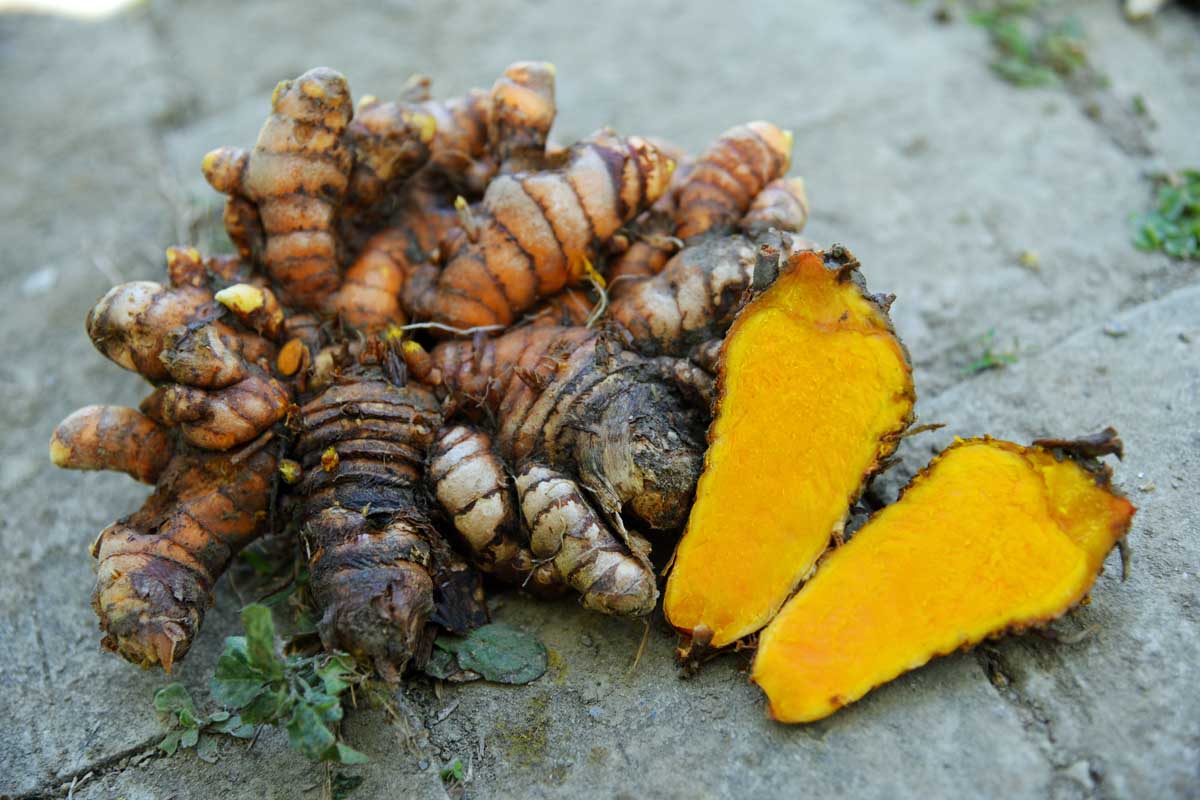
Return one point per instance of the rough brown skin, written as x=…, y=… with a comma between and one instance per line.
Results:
x=365, y=518
x=570, y=413
x=390, y=142
x=296, y=176
x=112, y=438
x=214, y=385
x=728, y=176
x=156, y=568
x=460, y=149
x=473, y=487
x=691, y=301
x=521, y=115
x=534, y=233
x=782, y=205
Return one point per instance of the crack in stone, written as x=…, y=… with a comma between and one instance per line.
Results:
x=1038, y=721
x=62, y=784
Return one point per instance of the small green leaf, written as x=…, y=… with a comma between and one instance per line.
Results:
x=268, y=707
x=235, y=683
x=327, y=707
x=348, y=755
x=234, y=726
x=260, y=641
x=170, y=742
x=334, y=673
x=453, y=771
x=190, y=737
x=1173, y=226
x=206, y=750
x=173, y=699
x=498, y=652
x=308, y=734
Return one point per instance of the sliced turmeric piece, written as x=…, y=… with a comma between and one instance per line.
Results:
x=991, y=537
x=815, y=390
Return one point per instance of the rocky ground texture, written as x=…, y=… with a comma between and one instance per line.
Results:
x=982, y=206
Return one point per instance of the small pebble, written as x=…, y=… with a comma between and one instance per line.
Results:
x=423, y=764
x=1081, y=772
x=587, y=640
x=1147, y=487
x=1116, y=329
x=595, y=712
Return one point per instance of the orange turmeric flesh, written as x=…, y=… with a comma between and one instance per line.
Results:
x=991, y=537
x=815, y=391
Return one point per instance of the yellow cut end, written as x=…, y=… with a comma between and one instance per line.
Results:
x=815, y=391
x=393, y=333
x=461, y=204
x=990, y=537
x=290, y=471
x=241, y=298
x=280, y=88
x=366, y=100
x=209, y=163
x=172, y=256
x=60, y=454
x=411, y=347
x=329, y=459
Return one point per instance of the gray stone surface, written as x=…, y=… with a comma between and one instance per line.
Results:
x=938, y=176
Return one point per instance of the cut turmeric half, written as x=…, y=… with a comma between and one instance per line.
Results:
x=991, y=537
x=815, y=390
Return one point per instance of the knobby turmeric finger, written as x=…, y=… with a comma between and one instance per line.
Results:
x=595, y=434
x=369, y=297
x=460, y=148
x=990, y=537
x=296, y=176
x=815, y=390
x=224, y=168
x=782, y=205
x=156, y=568
x=535, y=232
x=728, y=176
x=473, y=487
x=389, y=143
x=362, y=448
x=212, y=382
x=521, y=115
x=691, y=300
x=112, y=438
